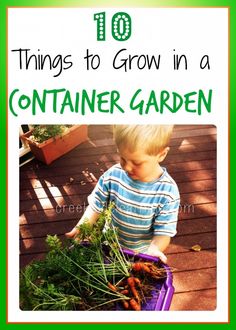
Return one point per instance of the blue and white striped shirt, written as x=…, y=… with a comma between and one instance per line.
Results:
x=141, y=210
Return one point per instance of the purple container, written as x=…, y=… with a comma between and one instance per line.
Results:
x=163, y=288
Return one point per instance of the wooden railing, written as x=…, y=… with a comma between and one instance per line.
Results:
x=23, y=146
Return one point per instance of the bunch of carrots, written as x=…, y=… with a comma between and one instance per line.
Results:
x=148, y=268
x=133, y=287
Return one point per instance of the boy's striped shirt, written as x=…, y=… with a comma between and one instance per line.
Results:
x=141, y=210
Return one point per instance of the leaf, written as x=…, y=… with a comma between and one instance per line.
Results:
x=196, y=248
x=82, y=183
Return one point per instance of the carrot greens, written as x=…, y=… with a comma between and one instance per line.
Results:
x=88, y=273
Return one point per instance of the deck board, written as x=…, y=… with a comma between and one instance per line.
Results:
x=52, y=199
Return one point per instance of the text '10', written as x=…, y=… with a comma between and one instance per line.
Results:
x=120, y=26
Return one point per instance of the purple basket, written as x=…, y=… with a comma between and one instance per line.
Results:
x=163, y=288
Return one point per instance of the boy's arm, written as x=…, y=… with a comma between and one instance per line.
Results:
x=89, y=216
x=157, y=246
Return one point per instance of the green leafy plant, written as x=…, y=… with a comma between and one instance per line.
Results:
x=42, y=133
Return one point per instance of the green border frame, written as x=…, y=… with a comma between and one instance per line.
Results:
x=3, y=122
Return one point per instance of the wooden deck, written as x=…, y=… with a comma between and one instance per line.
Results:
x=52, y=199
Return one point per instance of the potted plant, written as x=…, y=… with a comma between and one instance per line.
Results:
x=49, y=142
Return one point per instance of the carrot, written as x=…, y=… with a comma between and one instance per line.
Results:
x=125, y=304
x=137, y=267
x=140, y=266
x=137, y=281
x=148, y=268
x=131, y=282
x=134, y=305
x=112, y=287
x=125, y=291
x=155, y=271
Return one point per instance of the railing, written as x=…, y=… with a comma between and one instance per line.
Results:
x=24, y=149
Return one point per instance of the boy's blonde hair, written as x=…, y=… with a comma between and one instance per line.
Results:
x=151, y=138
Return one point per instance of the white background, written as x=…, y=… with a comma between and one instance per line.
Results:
x=191, y=31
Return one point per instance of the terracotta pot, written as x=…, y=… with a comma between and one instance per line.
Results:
x=55, y=147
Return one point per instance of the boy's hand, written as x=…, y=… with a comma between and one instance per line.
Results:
x=73, y=233
x=159, y=244
x=89, y=216
x=155, y=252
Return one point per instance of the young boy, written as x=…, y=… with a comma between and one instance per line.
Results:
x=146, y=198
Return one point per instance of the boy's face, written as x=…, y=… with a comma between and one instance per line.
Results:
x=140, y=166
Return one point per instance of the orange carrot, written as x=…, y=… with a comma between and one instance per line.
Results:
x=137, y=266
x=125, y=291
x=148, y=268
x=134, y=305
x=125, y=304
x=131, y=282
x=140, y=266
x=137, y=281
x=112, y=287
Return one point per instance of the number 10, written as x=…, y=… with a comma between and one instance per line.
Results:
x=120, y=26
